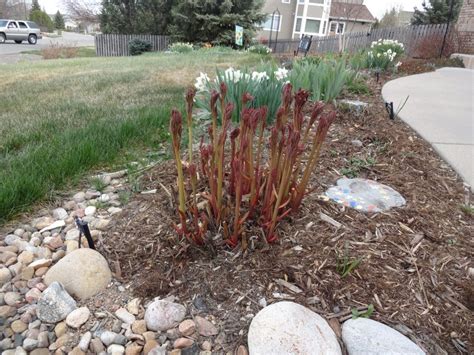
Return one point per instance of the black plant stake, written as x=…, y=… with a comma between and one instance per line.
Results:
x=389, y=108
x=84, y=229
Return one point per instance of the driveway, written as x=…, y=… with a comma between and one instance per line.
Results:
x=440, y=108
x=10, y=52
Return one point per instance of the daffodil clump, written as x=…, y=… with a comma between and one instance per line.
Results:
x=384, y=54
x=259, y=49
x=264, y=85
x=181, y=47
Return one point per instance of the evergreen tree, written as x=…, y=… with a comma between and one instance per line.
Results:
x=186, y=20
x=41, y=18
x=35, y=6
x=214, y=20
x=436, y=12
x=59, y=21
x=119, y=16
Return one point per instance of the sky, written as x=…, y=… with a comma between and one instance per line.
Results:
x=377, y=7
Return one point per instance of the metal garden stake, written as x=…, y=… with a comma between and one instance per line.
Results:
x=84, y=229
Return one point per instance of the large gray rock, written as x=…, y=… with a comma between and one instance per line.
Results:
x=83, y=272
x=55, y=304
x=365, y=195
x=163, y=315
x=365, y=336
x=289, y=328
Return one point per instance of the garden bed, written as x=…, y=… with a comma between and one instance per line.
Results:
x=414, y=260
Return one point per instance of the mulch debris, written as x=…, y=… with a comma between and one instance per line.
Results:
x=414, y=260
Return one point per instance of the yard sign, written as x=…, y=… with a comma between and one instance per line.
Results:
x=239, y=35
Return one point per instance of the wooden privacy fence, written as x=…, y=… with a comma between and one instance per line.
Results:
x=410, y=36
x=112, y=45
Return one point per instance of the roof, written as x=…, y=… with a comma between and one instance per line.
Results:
x=351, y=12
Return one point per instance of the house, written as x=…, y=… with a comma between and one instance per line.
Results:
x=404, y=18
x=292, y=19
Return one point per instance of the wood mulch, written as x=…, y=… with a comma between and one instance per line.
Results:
x=414, y=260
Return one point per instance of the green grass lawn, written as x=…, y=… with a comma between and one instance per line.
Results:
x=61, y=118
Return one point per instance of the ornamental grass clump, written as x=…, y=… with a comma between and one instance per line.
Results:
x=251, y=175
x=325, y=79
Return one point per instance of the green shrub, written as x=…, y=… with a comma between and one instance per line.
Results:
x=181, y=47
x=138, y=46
x=264, y=85
x=325, y=80
x=259, y=49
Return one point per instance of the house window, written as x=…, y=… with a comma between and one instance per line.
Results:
x=267, y=25
x=337, y=27
x=300, y=1
x=298, y=24
x=316, y=1
x=286, y=1
x=312, y=26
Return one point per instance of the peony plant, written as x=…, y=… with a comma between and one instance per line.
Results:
x=251, y=173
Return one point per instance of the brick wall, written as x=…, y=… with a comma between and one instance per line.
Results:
x=465, y=27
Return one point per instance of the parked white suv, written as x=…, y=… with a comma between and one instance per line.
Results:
x=19, y=31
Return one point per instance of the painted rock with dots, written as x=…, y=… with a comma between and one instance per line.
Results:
x=365, y=195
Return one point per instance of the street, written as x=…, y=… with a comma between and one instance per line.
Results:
x=10, y=52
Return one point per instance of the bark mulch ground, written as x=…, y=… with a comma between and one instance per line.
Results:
x=414, y=260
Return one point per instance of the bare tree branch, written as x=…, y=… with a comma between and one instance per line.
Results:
x=82, y=10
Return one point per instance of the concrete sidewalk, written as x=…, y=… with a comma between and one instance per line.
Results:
x=440, y=109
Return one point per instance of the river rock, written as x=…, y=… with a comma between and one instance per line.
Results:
x=12, y=298
x=18, y=326
x=163, y=315
x=42, y=222
x=205, y=328
x=133, y=349
x=59, y=213
x=90, y=210
x=133, y=306
x=83, y=272
x=30, y=344
x=78, y=317
x=289, y=328
x=366, y=336
x=182, y=343
x=40, y=263
x=5, y=276
x=97, y=346
x=72, y=234
x=85, y=341
x=115, y=349
x=124, y=316
x=33, y=295
x=26, y=257
x=55, y=304
x=109, y=338
x=139, y=326
x=187, y=327
x=79, y=197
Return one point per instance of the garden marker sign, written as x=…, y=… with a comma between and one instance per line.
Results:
x=305, y=44
x=239, y=35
